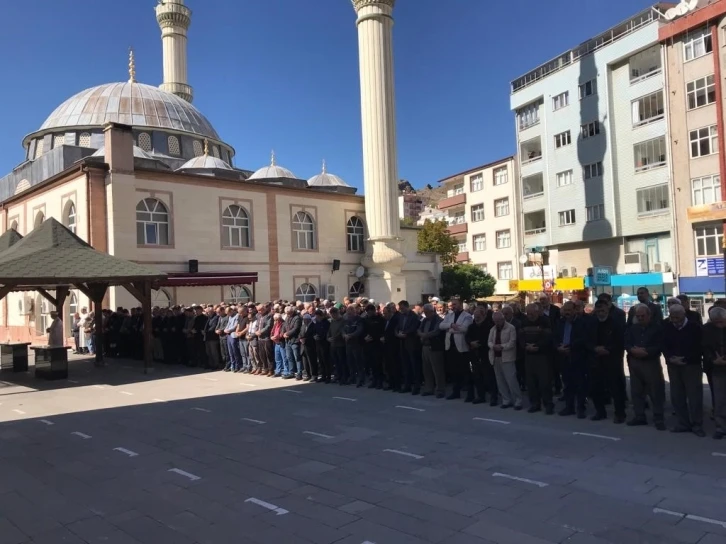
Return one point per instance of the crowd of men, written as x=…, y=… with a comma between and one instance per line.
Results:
x=546, y=353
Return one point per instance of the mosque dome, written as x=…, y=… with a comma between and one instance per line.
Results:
x=325, y=179
x=273, y=171
x=205, y=162
x=129, y=103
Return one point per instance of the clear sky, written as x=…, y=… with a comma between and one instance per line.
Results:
x=283, y=74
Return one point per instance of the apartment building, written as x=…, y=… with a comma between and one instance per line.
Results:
x=593, y=158
x=693, y=46
x=410, y=206
x=481, y=209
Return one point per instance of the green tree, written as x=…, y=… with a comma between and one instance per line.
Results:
x=408, y=222
x=434, y=237
x=466, y=281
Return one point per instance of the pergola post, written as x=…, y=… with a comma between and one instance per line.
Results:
x=61, y=294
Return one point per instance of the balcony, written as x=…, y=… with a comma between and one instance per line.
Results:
x=645, y=65
x=532, y=186
x=530, y=151
x=458, y=225
x=462, y=257
x=535, y=223
x=450, y=202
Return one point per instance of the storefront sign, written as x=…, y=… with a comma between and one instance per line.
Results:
x=709, y=266
x=535, y=272
x=601, y=275
x=707, y=212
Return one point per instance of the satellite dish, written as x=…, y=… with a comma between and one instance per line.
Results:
x=681, y=9
x=360, y=272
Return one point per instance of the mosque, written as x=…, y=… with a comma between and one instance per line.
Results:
x=138, y=172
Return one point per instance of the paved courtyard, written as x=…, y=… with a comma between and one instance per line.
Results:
x=184, y=457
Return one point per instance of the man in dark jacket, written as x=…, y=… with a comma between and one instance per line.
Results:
x=373, y=327
x=553, y=314
x=264, y=328
x=392, y=348
x=604, y=339
x=714, y=360
x=482, y=372
x=656, y=311
x=211, y=340
x=568, y=342
x=432, y=354
x=682, y=351
x=536, y=342
x=643, y=343
x=291, y=333
x=353, y=337
x=408, y=325
x=307, y=348
x=322, y=347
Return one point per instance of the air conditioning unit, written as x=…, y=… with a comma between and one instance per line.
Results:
x=667, y=267
x=658, y=267
x=565, y=272
x=329, y=291
x=26, y=305
x=636, y=262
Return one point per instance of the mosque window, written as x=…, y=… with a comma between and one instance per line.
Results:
x=306, y=292
x=39, y=148
x=303, y=231
x=215, y=151
x=356, y=290
x=144, y=141
x=356, y=234
x=59, y=140
x=39, y=220
x=160, y=298
x=152, y=223
x=174, y=145
x=69, y=216
x=14, y=225
x=84, y=140
x=235, y=227
x=23, y=185
x=198, y=149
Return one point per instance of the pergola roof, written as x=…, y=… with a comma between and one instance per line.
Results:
x=9, y=238
x=52, y=256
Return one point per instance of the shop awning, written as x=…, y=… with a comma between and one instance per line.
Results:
x=205, y=279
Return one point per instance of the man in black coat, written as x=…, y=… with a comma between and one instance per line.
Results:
x=392, y=348
x=408, y=324
x=568, y=342
x=373, y=330
x=536, y=342
x=552, y=312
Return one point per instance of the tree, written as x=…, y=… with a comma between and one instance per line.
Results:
x=408, y=222
x=466, y=281
x=435, y=238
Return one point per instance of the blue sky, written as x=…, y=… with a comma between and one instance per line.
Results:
x=283, y=74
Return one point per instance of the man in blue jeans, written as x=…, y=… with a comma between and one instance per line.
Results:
x=232, y=342
x=243, y=325
x=291, y=334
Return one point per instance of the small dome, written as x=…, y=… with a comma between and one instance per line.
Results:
x=205, y=162
x=324, y=179
x=138, y=153
x=273, y=171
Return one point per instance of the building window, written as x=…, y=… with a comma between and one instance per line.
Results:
x=595, y=213
x=69, y=216
x=589, y=130
x=477, y=183
x=562, y=139
x=501, y=176
x=160, y=298
x=39, y=147
x=567, y=218
x=697, y=44
x=650, y=154
x=504, y=239
x=303, y=231
x=560, y=101
x=84, y=140
x=215, y=151
x=704, y=141
x=593, y=170
x=477, y=213
x=528, y=116
x=238, y=294
x=72, y=308
x=456, y=218
x=173, y=143
x=455, y=190
x=152, y=223
x=462, y=247
x=706, y=190
x=356, y=234
x=144, y=141
x=564, y=178
x=652, y=200
x=235, y=227
x=505, y=271
x=356, y=290
x=501, y=207
x=484, y=268
x=701, y=92
x=306, y=292
x=39, y=218
x=480, y=242
x=709, y=241
x=59, y=140
x=648, y=108
x=588, y=88
x=198, y=149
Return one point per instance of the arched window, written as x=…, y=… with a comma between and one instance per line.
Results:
x=39, y=148
x=144, y=141
x=198, y=148
x=356, y=234
x=356, y=290
x=59, y=140
x=235, y=227
x=84, y=140
x=72, y=307
x=160, y=298
x=23, y=185
x=69, y=216
x=303, y=231
x=306, y=292
x=173, y=142
x=152, y=223
x=238, y=294
x=39, y=220
x=14, y=225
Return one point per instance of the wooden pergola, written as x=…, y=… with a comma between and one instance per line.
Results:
x=52, y=258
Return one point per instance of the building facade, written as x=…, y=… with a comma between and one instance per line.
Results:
x=695, y=61
x=481, y=210
x=593, y=158
x=410, y=206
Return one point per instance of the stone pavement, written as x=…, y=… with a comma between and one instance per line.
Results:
x=184, y=457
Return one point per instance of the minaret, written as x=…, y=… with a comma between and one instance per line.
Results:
x=174, y=19
x=384, y=258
